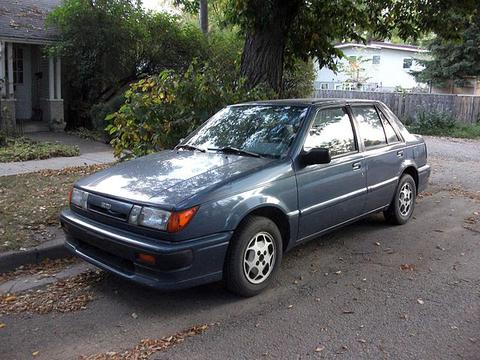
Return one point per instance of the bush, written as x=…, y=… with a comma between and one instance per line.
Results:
x=432, y=123
x=160, y=110
x=298, y=80
x=22, y=149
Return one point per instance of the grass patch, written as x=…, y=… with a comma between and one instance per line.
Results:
x=442, y=124
x=30, y=205
x=23, y=149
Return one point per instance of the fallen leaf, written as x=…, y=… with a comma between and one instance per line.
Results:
x=10, y=298
x=363, y=341
x=377, y=243
x=290, y=306
x=319, y=348
x=134, y=315
x=409, y=267
x=2, y=325
x=338, y=272
x=35, y=353
x=420, y=301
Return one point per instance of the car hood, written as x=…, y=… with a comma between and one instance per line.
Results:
x=169, y=177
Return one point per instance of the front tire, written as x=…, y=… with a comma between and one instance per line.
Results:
x=254, y=255
x=403, y=203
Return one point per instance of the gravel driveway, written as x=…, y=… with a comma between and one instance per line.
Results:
x=367, y=291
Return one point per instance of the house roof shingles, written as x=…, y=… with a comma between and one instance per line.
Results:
x=25, y=20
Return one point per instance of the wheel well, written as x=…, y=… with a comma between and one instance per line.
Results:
x=278, y=217
x=413, y=173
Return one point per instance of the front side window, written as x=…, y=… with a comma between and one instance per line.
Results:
x=370, y=126
x=376, y=59
x=333, y=130
x=267, y=130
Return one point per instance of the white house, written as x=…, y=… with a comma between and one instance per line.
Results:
x=30, y=80
x=386, y=66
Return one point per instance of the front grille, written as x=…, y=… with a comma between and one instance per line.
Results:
x=109, y=207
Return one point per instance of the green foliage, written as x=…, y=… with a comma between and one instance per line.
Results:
x=106, y=44
x=426, y=121
x=161, y=109
x=298, y=80
x=453, y=59
x=22, y=149
x=99, y=111
x=442, y=124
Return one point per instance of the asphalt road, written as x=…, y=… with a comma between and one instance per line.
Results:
x=342, y=296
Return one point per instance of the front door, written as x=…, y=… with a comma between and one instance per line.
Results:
x=22, y=79
x=331, y=194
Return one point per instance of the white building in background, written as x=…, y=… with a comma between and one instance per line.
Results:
x=387, y=67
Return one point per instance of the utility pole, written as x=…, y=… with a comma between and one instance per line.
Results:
x=203, y=15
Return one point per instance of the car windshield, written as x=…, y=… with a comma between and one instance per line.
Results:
x=266, y=130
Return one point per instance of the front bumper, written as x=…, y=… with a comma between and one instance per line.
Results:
x=178, y=264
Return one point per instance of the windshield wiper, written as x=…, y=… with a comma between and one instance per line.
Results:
x=233, y=150
x=189, y=147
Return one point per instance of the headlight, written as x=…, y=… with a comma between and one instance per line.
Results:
x=154, y=218
x=161, y=219
x=79, y=198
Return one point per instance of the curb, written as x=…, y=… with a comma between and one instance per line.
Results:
x=54, y=249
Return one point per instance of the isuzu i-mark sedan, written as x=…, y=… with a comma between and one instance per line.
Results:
x=251, y=183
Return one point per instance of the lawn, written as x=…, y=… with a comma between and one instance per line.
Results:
x=30, y=204
x=22, y=149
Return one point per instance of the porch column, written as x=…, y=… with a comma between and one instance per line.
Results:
x=3, y=93
x=58, y=78
x=10, y=70
x=51, y=78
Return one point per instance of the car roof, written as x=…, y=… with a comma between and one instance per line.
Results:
x=309, y=102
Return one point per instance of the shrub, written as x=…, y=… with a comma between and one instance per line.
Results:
x=23, y=149
x=160, y=110
x=432, y=123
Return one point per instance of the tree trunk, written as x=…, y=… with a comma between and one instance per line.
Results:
x=264, y=49
x=262, y=58
x=203, y=15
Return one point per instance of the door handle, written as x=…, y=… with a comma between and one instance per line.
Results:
x=400, y=153
x=357, y=166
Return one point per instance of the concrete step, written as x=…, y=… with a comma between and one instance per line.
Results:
x=29, y=126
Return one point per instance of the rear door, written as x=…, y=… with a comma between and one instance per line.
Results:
x=384, y=154
x=330, y=194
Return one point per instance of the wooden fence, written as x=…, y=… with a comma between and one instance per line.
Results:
x=465, y=108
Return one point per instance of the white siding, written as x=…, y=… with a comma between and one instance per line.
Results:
x=387, y=75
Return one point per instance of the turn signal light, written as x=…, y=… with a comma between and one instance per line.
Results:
x=146, y=258
x=178, y=220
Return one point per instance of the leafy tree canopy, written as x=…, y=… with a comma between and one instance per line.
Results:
x=453, y=59
x=277, y=30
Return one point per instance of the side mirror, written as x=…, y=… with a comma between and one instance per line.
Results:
x=315, y=156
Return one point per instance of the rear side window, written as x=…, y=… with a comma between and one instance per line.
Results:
x=370, y=126
x=389, y=132
x=333, y=130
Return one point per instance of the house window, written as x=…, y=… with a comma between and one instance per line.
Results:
x=376, y=59
x=17, y=65
x=407, y=63
x=324, y=86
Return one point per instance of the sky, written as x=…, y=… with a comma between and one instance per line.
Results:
x=159, y=5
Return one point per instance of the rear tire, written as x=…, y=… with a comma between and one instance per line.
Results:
x=403, y=203
x=254, y=255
